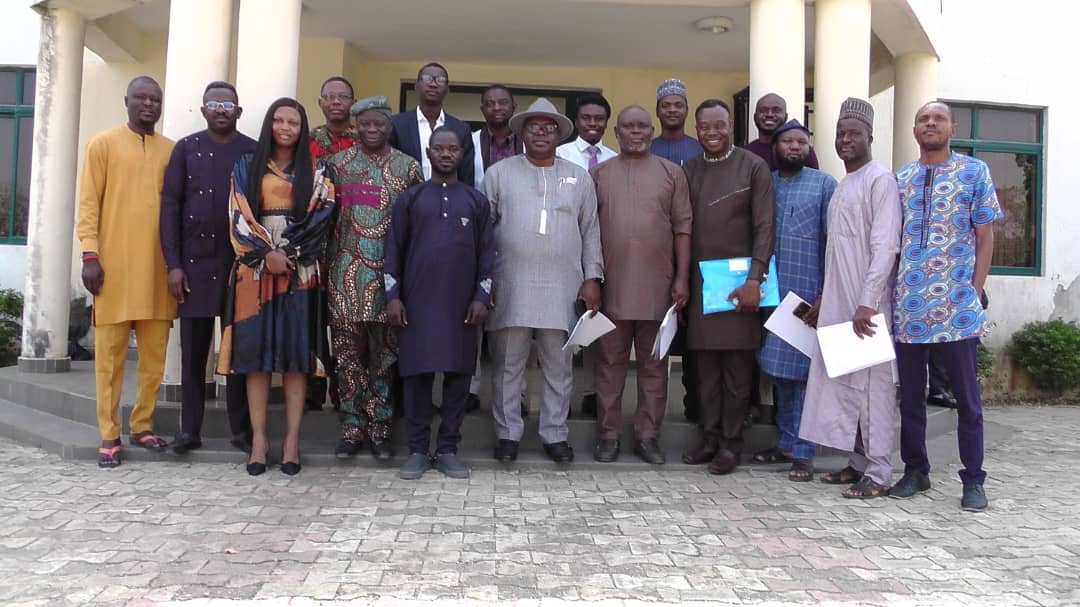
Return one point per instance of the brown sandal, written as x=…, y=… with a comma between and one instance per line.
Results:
x=846, y=476
x=149, y=441
x=108, y=457
x=802, y=470
x=866, y=489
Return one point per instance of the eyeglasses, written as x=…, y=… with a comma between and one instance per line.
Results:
x=228, y=106
x=428, y=79
x=534, y=128
x=332, y=97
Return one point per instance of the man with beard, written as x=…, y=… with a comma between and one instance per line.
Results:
x=439, y=259
x=732, y=196
x=673, y=144
x=547, y=243
x=123, y=266
x=367, y=179
x=949, y=206
x=802, y=202
x=491, y=143
x=857, y=412
x=587, y=151
x=769, y=113
x=194, y=212
x=412, y=130
x=644, y=210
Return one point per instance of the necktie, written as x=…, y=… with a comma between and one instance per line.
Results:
x=593, y=152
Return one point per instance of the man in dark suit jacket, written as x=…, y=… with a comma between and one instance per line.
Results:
x=413, y=129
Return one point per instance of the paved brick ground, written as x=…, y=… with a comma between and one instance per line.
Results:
x=177, y=534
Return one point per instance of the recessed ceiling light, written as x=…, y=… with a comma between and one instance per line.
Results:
x=714, y=25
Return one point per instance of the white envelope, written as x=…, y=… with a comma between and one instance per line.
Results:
x=784, y=324
x=666, y=334
x=844, y=352
x=588, y=330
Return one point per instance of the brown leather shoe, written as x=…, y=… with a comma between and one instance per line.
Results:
x=700, y=455
x=724, y=462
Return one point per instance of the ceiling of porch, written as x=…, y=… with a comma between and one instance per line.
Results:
x=617, y=33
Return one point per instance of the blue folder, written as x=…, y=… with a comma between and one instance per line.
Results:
x=719, y=280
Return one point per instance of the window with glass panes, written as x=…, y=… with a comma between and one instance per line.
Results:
x=16, y=140
x=1010, y=141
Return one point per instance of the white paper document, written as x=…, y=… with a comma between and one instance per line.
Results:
x=588, y=330
x=844, y=352
x=666, y=334
x=784, y=324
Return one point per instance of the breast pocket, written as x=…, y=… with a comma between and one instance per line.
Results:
x=802, y=222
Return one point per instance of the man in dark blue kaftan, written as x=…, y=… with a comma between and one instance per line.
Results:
x=439, y=259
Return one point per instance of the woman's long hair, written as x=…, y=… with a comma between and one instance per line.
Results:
x=303, y=170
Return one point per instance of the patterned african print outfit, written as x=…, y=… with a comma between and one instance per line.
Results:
x=935, y=301
x=363, y=343
x=273, y=322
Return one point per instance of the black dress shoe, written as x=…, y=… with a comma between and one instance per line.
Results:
x=290, y=468
x=348, y=447
x=241, y=442
x=382, y=450
x=701, y=455
x=588, y=405
x=649, y=451
x=560, y=452
x=941, y=400
x=506, y=450
x=472, y=403
x=606, y=450
x=184, y=443
x=724, y=462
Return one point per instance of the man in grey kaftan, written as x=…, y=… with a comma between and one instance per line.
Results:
x=857, y=412
x=547, y=242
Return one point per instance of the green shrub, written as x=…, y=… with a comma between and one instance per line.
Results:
x=985, y=359
x=1049, y=352
x=11, y=307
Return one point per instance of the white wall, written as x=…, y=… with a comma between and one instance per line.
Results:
x=999, y=54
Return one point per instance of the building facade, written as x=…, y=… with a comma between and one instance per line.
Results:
x=898, y=53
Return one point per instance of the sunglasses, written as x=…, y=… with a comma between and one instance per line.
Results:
x=228, y=106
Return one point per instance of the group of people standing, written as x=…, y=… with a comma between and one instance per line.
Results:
x=408, y=236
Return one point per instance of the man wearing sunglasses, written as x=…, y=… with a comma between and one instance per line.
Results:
x=194, y=227
x=412, y=128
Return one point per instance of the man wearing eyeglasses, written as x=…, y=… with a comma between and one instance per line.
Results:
x=412, y=130
x=195, y=241
x=338, y=134
x=335, y=99
x=547, y=258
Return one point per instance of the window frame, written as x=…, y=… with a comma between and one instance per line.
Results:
x=16, y=111
x=975, y=145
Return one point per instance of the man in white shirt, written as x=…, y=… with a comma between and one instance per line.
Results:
x=587, y=151
x=412, y=129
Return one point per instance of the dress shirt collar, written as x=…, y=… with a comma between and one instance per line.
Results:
x=422, y=119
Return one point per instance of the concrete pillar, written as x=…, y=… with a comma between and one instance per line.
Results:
x=198, y=53
x=841, y=69
x=54, y=162
x=915, y=84
x=267, y=56
x=777, y=57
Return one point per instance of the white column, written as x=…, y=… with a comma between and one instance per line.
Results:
x=267, y=55
x=841, y=69
x=777, y=56
x=197, y=54
x=915, y=83
x=54, y=161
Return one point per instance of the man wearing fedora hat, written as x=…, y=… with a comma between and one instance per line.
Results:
x=548, y=257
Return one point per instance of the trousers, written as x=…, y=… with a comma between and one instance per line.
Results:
x=959, y=361
x=110, y=355
x=366, y=354
x=725, y=381
x=790, y=395
x=510, y=353
x=196, y=336
x=612, y=363
x=418, y=405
